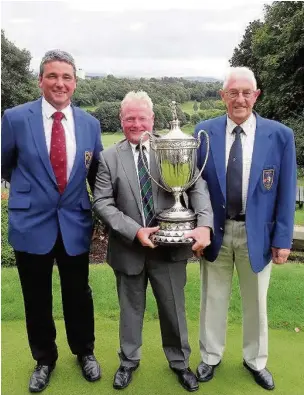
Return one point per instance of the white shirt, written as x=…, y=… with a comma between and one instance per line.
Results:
x=69, y=129
x=135, y=156
x=247, y=140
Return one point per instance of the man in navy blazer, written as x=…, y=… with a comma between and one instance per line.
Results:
x=49, y=149
x=251, y=176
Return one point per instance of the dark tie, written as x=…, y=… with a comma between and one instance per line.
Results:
x=58, y=154
x=145, y=188
x=235, y=176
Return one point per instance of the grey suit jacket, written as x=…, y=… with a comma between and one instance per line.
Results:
x=117, y=202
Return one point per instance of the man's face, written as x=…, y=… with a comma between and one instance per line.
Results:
x=239, y=97
x=58, y=83
x=136, y=118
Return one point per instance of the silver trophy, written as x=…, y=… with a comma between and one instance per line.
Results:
x=175, y=155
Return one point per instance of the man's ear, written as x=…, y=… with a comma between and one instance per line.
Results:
x=222, y=94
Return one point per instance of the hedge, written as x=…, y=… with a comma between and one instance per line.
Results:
x=7, y=253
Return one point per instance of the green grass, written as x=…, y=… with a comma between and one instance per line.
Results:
x=286, y=348
x=110, y=139
x=188, y=107
x=89, y=108
x=299, y=216
x=286, y=305
x=153, y=377
x=300, y=181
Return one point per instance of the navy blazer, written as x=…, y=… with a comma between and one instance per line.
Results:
x=270, y=202
x=36, y=209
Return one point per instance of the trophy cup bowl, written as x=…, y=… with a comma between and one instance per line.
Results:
x=175, y=155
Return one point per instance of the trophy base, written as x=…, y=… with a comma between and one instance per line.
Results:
x=172, y=233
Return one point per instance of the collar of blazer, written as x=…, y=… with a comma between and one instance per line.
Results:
x=37, y=128
x=262, y=143
x=125, y=154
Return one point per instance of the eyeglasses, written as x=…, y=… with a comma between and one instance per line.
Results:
x=234, y=93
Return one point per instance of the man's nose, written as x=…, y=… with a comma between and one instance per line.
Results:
x=59, y=82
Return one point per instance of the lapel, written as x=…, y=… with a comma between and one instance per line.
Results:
x=79, y=127
x=125, y=154
x=262, y=143
x=218, y=149
x=36, y=124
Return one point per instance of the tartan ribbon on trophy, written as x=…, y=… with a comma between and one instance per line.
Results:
x=145, y=188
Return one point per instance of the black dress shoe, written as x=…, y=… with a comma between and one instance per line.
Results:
x=40, y=377
x=187, y=379
x=123, y=376
x=262, y=377
x=90, y=367
x=205, y=372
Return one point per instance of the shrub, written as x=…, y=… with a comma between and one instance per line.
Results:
x=7, y=253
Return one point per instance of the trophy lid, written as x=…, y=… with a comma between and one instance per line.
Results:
x=175, y=138
x=175, y=132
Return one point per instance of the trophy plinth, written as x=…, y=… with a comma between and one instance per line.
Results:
x=175, y=155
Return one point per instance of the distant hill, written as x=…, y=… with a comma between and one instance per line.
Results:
x=195, y=78
x=202, y=79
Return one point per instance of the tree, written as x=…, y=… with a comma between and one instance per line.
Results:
x=108, y=115
x=274, y=50
x=195, y=106
x=18, y=84
x=243, y=55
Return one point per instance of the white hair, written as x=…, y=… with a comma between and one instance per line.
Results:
x=239, y=72
x=139, y=96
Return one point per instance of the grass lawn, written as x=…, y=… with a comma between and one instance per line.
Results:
x=286, y=311
x=299, y=216
x=188, y=107
x=300, y=181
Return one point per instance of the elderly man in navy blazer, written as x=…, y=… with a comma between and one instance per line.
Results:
x=49, y=149
x=251, y=176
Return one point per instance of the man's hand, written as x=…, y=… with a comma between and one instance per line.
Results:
x=279, y=255
x=201, y=235
x=143, y=236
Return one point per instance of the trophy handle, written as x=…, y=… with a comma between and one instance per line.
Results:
x=144, y=162
x=206, y=158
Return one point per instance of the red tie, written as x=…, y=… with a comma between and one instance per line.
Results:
x=58, y=154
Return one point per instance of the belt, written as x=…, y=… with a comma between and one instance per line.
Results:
x=238, y=218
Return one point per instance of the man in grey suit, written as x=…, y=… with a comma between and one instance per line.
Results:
x=119, y=203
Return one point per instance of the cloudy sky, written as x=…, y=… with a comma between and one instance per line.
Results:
x=134, y=38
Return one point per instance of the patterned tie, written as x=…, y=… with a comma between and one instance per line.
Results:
x=58, y=154
x=234, y=179
x=145, y=188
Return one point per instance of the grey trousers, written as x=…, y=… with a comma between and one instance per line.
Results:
x=167, y=280
x=216, y=281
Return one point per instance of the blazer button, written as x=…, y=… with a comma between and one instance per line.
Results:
x=221, y=229
x=223, y=206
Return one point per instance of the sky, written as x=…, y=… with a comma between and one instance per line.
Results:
x=133, y=38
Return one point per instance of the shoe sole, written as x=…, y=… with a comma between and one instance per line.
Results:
x=205, y=379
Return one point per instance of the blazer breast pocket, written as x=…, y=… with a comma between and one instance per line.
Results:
x=268, y=178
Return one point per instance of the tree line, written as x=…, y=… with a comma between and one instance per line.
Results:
x=273, y=49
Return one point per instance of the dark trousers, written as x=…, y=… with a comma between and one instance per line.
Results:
x=35, y=272
x=167, y=280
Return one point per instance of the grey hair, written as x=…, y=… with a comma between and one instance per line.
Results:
x=57, y=55
x=237, y=72
x=139, y=96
